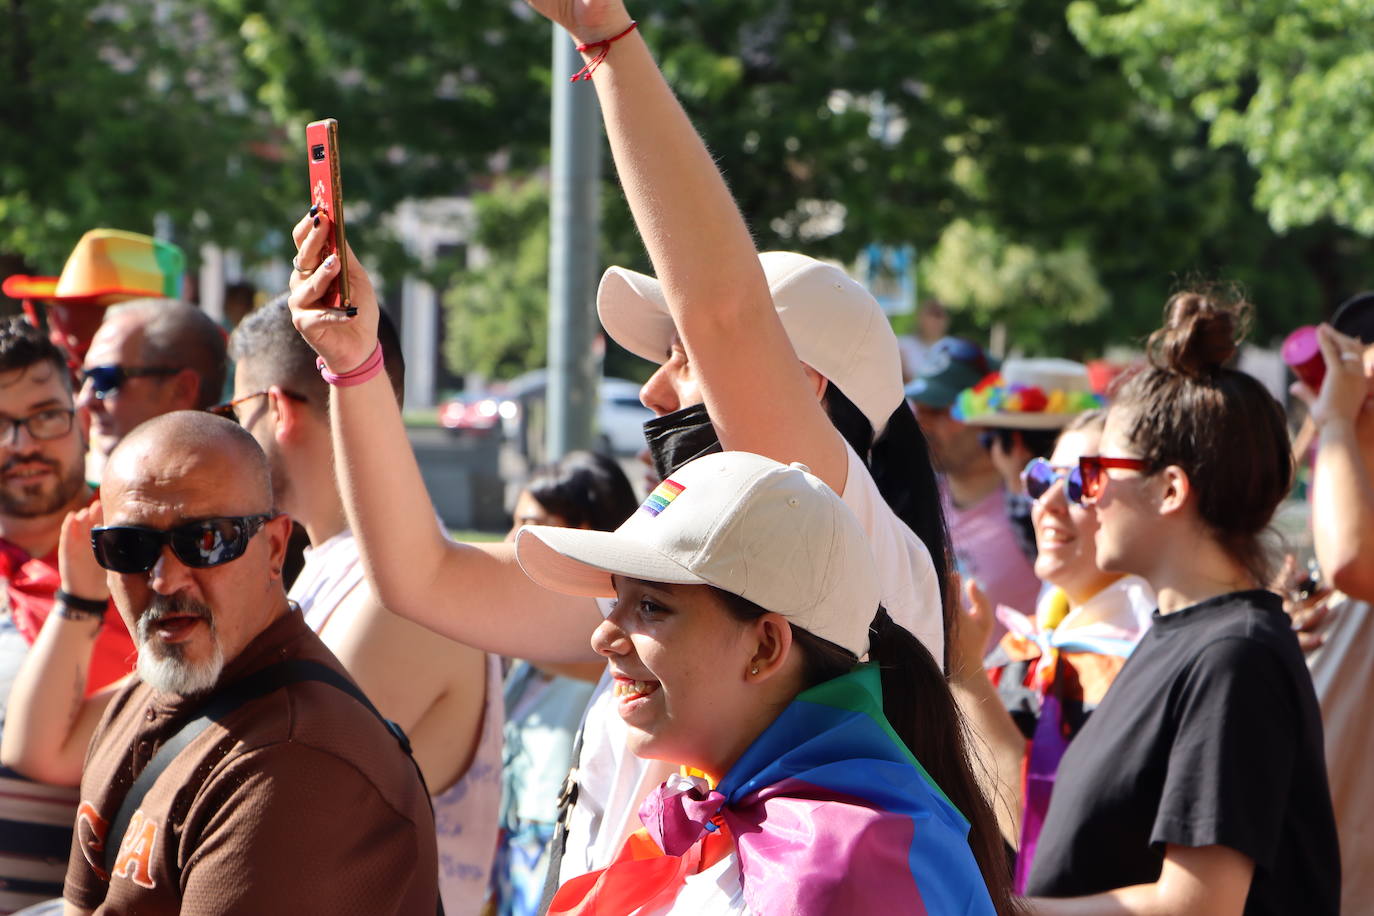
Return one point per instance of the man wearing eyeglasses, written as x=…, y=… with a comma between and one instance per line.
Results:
x=272, y=790
x=41, y=480
x=445, y=694
x=149, y=357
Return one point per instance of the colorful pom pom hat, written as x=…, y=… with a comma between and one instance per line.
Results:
x=107, y=266
x=1028, y=394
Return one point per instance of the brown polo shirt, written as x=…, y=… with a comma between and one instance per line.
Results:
x=299, y=801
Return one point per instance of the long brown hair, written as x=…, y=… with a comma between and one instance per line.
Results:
x=922, y=711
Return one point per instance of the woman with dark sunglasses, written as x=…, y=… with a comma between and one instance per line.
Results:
x=1053, y=667
x=1199, y=784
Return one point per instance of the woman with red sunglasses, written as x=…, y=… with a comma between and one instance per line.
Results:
x=1199, y=784
x=1057, y=659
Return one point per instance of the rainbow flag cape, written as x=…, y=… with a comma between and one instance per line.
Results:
x=828, y=812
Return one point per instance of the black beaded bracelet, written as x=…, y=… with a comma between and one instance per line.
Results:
x=87, y=605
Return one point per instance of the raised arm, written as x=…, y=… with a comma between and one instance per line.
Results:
x=759, y=397
x=996, y=741
x=49, y=719
x=1342, y=491
x=475, y=594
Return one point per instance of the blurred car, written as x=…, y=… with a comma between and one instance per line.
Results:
x=620, y=417
x=619, y=423
x=477, y=414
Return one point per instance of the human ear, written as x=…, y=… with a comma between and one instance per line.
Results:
x=185, y=387
x=1177, y=489
x=818, y=381
x=773, y=643
x=278, y=532
x=285, y=414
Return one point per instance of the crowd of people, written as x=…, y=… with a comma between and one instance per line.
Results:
x=899, y=627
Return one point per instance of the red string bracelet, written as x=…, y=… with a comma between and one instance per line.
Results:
x=370, y=367
x=603, y=48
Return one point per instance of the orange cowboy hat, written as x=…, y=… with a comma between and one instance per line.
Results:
x=106, y=266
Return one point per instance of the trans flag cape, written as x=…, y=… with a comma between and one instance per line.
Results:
x=828, y=812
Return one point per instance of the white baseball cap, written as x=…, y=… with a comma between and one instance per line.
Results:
x=771, y=533
x=835, y=325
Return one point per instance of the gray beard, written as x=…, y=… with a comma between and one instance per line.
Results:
x=164, y=666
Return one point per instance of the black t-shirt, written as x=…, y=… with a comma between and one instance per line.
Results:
x=1210, y=735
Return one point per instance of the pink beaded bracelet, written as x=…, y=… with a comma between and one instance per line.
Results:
x=370, y=367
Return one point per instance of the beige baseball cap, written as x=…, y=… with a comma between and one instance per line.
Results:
x=835, y=325
x=771, y=533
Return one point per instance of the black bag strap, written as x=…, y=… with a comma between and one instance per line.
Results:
x=226, y=700
x=567, y=800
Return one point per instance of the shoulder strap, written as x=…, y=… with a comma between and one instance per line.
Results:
x=258, y=684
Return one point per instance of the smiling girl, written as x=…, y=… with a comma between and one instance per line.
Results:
x=746, y=594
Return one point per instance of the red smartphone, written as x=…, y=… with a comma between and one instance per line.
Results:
x=326, y=192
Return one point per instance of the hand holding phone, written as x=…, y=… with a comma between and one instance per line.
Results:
x=326, y=197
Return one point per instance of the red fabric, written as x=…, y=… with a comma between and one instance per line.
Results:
x=30, y=586
x=640, y=875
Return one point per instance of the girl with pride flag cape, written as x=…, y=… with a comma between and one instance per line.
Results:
x=828, y=812
x=746, y=594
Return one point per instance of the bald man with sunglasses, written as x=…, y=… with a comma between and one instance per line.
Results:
x=243, y=772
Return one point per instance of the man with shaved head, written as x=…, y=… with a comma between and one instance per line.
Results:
x=243, y=772
x=149, y=357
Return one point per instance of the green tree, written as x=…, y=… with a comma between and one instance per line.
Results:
x=111, y=115
x=498, y=312
x=1290, y=83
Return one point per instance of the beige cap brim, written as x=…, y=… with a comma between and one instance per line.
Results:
x=634, y=311
x=575, y=561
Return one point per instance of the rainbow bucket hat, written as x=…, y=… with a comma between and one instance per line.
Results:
x=1028, y=394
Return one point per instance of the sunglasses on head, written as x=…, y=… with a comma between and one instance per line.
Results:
x=199, y=544
x=1040, y=475
x=107, y=379
x=1093, y=469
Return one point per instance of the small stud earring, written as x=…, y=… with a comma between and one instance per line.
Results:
x=753, y=671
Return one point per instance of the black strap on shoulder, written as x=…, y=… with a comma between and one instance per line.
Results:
x=567, y=800
x=226, y=700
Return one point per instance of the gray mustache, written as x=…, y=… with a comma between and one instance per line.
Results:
x=171, y=606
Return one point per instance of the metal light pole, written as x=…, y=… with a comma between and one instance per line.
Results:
x=574, y=211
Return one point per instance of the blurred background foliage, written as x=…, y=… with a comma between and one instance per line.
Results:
x=1059, y=167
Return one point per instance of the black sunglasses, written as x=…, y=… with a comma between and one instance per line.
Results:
x=200, y=544
x=105, y=379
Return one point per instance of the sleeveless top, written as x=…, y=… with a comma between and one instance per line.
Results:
x=465, y=816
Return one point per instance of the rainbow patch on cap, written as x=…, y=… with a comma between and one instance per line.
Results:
x=662, y=496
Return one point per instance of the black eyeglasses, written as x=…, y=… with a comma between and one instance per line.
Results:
x=200, y=544
x=53, y=423
x=107, y=379
x=1040, y=475
x=226, y=409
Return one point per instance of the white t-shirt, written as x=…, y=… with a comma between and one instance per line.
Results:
x=465, y=816
x=613, y=783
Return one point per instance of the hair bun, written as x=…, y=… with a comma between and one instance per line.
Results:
x=1201, y=333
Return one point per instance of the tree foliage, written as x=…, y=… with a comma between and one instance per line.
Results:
x=980, y=131
x=1291, y=83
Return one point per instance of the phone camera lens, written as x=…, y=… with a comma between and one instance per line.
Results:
x=317, y=152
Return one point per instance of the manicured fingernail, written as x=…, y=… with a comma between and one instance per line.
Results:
x=350, y=312
x=315, y=209
x=317, y=221
x=330, y=261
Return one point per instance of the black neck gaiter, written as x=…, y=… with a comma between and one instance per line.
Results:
x=679, y=437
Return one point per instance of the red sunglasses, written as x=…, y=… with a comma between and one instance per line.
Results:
x=1093, y=470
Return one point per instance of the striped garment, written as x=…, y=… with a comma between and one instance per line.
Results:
x=828, y=813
